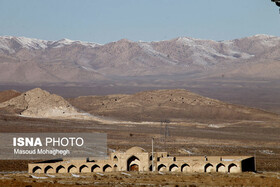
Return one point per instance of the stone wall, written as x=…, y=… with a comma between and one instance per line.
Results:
x=137, y=159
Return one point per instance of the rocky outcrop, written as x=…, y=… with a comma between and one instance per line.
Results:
x=8, y=94
x=40, y=103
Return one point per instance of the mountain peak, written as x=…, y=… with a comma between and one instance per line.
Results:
x=65, y=40
x=37, y=91
x=83, y=62
x=125, y=40
x=12, y=43
x=263, y=36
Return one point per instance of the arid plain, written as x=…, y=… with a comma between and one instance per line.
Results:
x=193, y=96
x=196, y=125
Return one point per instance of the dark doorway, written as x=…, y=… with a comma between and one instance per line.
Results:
x=133, y=164
x=134, y=167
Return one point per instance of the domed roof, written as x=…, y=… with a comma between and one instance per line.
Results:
x=134, y=150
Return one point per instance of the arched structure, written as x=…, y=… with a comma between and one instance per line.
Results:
x=221, y=168
x=115, y=158
x=72, y=169
x=185, y=168
x=60, y=169
x=208, y=167
x=37, y=169
x=115, y=167
x=173, y=168
x=133, y=163
x=135, y=150
x=162, y=167
x=95, y=168
x=107, y=168
x=49, y=169
x=137, y=159
x=232, y=168
x=84, y=169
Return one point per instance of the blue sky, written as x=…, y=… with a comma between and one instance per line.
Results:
x=103, y=21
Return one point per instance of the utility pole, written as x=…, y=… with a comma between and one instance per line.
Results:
x=152, y=154
x=165, y=131
x=255, y=160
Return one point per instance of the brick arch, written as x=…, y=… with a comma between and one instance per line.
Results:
x=72, y=169
x=208, y=167
x=173, y=168
x=48, y=169
x=232, y=167
x=60, y=169
x=95, y=167
x=115, y=168
x=83, y=168
x=37, y=169
x=107, y=168
x=185, y=168
x=162, y=167
x=133, y=163
x=221, y=168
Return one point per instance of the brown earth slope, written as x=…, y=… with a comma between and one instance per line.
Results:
x=171, y=105
x=8, y=94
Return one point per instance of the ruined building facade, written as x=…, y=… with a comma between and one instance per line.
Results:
x=137, y=159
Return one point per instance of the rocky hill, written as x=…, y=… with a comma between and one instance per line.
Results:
x=157, y=105
x=30, y=61
x=174, y=105
x=8, y=94
x=40, y=104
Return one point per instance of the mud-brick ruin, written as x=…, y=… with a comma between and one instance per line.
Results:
x=137, y=159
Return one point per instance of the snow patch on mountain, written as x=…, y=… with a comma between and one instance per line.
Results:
x=65, y=42
x=204, y=51
x=149, y=49
x=32, y=43
x=267, y=40
x=89, y=69
x=152, y=52
x=263, y=36
x=232, y=50
x=4, y=45
x=12, y=44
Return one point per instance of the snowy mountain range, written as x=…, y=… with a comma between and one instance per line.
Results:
x=27, y=61
x=13, y=44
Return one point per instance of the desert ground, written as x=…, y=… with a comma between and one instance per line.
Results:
x=141, y=179
x=257, y=133
x=193, y=96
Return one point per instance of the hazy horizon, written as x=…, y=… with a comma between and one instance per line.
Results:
x=168, y=39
